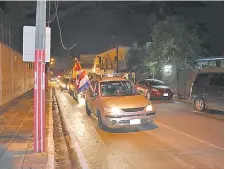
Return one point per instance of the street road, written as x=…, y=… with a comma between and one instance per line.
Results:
x=180, y=139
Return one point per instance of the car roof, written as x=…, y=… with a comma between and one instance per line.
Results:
x=152, y=80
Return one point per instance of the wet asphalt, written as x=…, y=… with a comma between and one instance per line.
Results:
x=180, y=138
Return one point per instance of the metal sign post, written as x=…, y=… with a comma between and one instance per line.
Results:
x=39, y=88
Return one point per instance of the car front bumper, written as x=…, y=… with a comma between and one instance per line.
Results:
x=126, y=121
x=170, y=96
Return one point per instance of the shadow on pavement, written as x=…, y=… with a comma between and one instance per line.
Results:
x=215, y=112
x=162, y=101
x=130, y=129
x=21, y=137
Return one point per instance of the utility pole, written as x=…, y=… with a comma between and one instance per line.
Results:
x=47, y=68
x=117, y=59
x=117, y=55
x=39, y=88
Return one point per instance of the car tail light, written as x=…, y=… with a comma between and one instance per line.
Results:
x=156, y=91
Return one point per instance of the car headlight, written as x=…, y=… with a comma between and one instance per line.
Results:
x=115, y=110
x=149, y=108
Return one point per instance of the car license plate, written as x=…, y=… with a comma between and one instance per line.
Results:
x=165, y=94
x=135, y=121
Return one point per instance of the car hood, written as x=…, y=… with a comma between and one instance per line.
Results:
x=126, y=101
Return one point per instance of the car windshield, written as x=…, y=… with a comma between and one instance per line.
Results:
x=117, y=88
x=156, y=83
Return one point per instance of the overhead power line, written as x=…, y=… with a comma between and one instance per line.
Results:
x=57, y=5
x=60, y=31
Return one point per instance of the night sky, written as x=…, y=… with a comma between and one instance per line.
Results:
x=92, y=24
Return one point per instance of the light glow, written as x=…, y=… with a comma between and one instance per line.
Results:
x=149, y=108
x=115, y=110
x=168, y=67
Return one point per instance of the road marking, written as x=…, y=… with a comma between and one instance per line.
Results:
x=187, y=135
x=75, y=144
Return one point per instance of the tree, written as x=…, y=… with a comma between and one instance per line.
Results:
x=174, y=42
x=135, y=57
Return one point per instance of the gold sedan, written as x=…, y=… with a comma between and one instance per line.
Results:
x=116, y=102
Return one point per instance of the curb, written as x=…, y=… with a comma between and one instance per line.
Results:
x=184, y=101
x=51, y=150
x=72, y=150
x=63, y=151
x=215, y=116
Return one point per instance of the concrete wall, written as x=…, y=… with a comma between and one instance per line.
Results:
x=16, y=76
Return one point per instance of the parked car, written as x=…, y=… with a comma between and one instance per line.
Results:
x=116, y=103
x=154, y=89
x=207, y=91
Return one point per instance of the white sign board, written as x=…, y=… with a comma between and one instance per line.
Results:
x=29, y=44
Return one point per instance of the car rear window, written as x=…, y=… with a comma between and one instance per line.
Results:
x=217, y=79
x=156, y=83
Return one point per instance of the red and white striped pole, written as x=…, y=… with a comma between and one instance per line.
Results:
x=39, y=88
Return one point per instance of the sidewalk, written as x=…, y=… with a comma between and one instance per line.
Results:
x=178, y=98
x=208, y=113
x=16, y=135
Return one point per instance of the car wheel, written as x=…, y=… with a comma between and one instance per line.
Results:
x=100, y=123
x=200, y=104
x=88, y=110
x=148, y=95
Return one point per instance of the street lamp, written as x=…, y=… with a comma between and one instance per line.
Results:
x=167, y=68
x=117, y=57
x=52, y=59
